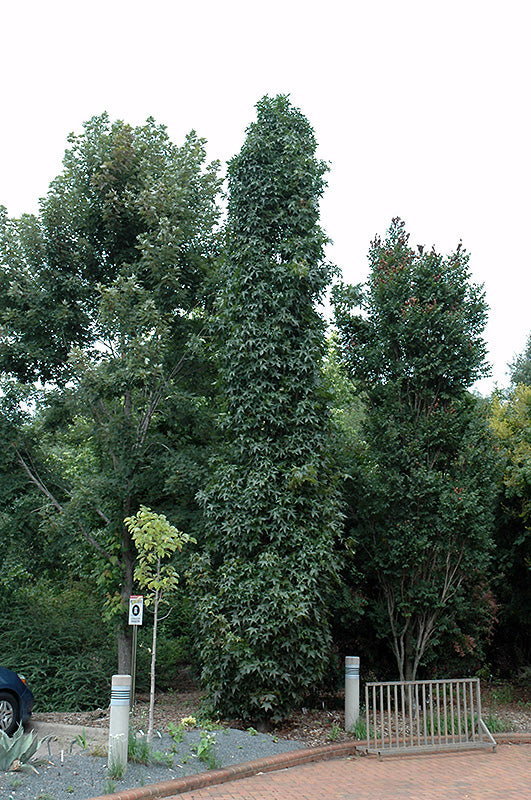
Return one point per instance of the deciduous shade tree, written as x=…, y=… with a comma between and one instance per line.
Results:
x=412, y=340
x=271, y=508
x=103, y=297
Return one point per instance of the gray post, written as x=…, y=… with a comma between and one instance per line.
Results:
x=352, y=691
x=119, y=721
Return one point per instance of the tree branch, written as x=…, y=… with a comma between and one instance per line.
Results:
x=41, y=486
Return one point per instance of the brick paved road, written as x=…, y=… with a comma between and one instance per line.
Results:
x=484, y=775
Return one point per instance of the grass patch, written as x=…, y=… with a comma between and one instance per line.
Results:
x=495, y=724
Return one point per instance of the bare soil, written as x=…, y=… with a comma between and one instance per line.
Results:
x=314, y=726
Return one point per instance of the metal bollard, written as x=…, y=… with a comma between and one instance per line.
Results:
x=352, y=691
x=119, y=721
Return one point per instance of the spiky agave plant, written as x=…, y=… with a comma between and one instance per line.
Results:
x=17, y=751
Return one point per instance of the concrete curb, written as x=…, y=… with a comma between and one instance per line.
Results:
x=245, y=770
x=168, y=789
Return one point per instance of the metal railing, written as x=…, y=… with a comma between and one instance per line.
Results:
x=416, y=716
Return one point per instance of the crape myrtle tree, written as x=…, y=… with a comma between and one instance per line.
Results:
x=103, y=297
x=411, y=339
x=270, y=508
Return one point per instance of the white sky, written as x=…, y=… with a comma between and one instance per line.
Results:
x=421, y=108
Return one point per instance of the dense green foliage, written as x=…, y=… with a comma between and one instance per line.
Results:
x=521, y=367
x=53, y=634
x=342, y=496
x=104, y=296
x=55, y=638
x=270, y=509
x=130, y=213
x=425, y=495
x=511, y=422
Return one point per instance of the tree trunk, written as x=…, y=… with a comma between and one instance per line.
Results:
x=124, y=633
x=410, y=671
x=153, y=661
x=125, y=642
x=404, y=652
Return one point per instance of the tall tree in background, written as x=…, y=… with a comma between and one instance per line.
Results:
x=102, y=300
x=521, y=367
x=271, y=510
x=425, y=511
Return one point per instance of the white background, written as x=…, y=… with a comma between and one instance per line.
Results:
x=421, y=108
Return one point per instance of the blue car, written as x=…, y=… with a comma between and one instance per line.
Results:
x=16, y=701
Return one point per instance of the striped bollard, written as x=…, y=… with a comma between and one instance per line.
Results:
x=352, y=691
x=119, y=721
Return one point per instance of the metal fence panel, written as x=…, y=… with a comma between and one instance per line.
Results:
x=418, y=716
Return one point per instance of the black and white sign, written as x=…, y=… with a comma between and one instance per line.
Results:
x=136, y=609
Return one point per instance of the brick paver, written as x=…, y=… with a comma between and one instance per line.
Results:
x=484, y=775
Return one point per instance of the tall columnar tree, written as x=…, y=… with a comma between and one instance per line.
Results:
x=102, y=300
x=271, y=509
x=412, y=340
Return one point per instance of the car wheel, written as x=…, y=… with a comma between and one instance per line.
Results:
x=9, y=713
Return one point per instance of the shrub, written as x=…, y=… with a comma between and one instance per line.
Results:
x=56, y=638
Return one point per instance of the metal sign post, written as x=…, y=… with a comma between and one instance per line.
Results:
x=136, y=610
